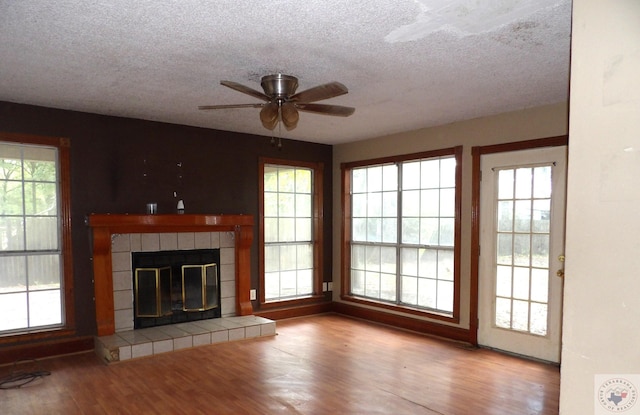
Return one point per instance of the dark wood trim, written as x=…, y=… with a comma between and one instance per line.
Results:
x=244, y=239
x=35, y=336
x=561, y=140
x=296, y=311
x=399, y=158
x=45, y=349
x=317, y=231
x=457, y=247
x=260, y=178
x=103, y=281
x=318, y=226
x=408, y=323
x=65, y=212
x=291, y=302
x=346, y=233
x=475, y=246
x=63, y=145
x=477, y=153
x=35, y=139
x=399, y=308
x=106, y=225
x=133, y=223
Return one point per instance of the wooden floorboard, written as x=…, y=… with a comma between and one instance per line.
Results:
x=323, y=364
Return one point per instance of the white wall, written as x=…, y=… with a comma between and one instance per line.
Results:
x=601, y=329
x=541, y=122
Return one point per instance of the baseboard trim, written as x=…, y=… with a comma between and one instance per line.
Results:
x=45, y=349
x=295, y=311
x=408, y=323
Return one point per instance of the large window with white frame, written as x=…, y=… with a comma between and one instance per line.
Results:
x=290, y=232
x=34, y=235
x=402, y=232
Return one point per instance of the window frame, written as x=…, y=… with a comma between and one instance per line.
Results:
x=346, y=239
x=317, y=232
x=63, y=146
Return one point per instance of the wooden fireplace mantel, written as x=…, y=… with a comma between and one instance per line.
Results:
x=106, y=225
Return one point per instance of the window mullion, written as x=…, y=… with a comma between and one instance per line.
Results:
x=24, y=203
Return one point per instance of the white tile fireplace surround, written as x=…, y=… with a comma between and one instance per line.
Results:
x=123, y=245
x=115, y=237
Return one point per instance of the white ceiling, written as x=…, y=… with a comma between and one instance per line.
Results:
x=408, y=64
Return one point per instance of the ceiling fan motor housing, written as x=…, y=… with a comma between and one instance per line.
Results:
x=280, y=86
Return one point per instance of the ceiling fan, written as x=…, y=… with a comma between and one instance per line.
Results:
x=282, y=103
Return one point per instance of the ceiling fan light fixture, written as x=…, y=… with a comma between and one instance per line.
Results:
x=269, y=115
x=289, y=115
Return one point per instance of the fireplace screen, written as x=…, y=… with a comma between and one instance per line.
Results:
x=199, y=287
x=153, y=292
x=176, y=286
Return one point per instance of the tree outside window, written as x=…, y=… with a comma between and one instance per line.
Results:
x=30, y=241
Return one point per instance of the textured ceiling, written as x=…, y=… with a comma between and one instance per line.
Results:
x=408, y=64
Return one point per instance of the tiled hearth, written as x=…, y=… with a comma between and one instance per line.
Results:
x=132, y=344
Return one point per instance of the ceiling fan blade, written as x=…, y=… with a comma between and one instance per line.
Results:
x=320, y=92
x=325, y=109
x=289, y=115
x=219, y=107
x=269, y=115
x=245, y=90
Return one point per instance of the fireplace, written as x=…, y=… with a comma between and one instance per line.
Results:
x=116, y=236
x=171, y=287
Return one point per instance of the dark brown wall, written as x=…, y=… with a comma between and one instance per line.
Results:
x=219, y=175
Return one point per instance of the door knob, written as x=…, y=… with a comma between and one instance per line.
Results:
x=560, y=273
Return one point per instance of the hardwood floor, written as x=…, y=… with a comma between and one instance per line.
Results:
x=324, y=364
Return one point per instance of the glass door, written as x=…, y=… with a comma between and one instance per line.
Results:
x=522, y=208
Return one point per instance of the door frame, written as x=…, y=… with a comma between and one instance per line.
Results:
x=476, y=154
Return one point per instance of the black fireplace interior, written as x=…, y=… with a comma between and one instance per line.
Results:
x=175, y=286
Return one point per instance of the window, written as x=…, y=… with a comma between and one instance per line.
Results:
x=34, y=235
x=290, y=232
x=402, y=231
x=523, y=229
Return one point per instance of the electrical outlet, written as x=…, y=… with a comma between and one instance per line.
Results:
x=324, y=287
x=330, y=286
x=252, y=295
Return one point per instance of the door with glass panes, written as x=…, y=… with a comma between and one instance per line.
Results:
x=522, y=209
